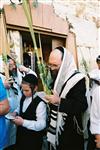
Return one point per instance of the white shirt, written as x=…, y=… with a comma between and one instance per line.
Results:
x=95, y=74
x=41, y=115
x=95, y=111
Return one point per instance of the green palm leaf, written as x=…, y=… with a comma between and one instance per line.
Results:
x=41, y=65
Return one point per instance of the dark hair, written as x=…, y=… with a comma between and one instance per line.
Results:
x=61, y=49
x=98, y=59
x=31, y=80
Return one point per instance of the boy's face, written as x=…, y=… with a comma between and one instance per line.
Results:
x=26, y=90
x=98, y=63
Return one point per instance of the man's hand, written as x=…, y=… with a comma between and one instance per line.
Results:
x=23, y=69
x=8, y=82
x=53, y=99
x=97, y=140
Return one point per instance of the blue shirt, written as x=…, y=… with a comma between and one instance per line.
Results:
x=3, y=96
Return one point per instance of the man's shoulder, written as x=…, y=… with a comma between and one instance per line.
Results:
x=41, y=95
x=94, y=72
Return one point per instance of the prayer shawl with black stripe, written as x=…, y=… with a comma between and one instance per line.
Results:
x=66, y=79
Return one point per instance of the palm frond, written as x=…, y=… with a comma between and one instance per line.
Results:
x=41, y=66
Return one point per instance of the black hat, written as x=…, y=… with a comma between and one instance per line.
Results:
x=9, y=57
x=31, y=79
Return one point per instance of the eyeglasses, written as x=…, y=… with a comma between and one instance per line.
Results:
x=53, y=66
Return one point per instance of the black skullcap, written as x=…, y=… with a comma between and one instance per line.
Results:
x=98, y=58
x=31, y=79
x=10, y=57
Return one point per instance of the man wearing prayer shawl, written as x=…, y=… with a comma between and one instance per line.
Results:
x=67, y=102
x=94, y=122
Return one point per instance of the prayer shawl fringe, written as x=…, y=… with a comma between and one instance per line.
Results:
x=57, y=122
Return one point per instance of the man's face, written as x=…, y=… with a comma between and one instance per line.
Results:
x=54, y=71
x=12, y=68
x=54, y=64
x=98, y=63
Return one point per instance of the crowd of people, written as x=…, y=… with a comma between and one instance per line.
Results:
x=24, y=113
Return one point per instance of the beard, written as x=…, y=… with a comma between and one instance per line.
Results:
x=13, y=72
x=54, y=74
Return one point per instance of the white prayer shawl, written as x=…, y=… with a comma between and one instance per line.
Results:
x=67, y=69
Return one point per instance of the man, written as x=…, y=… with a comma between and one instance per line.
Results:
x=98, y=62
x=93, y=123
x=14, y=93
x=67, y=102
x=4, y=108
x=17, y=71
x=95, y=72
x=95, y=113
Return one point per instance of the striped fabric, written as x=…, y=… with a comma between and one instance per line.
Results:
x=65, y=75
